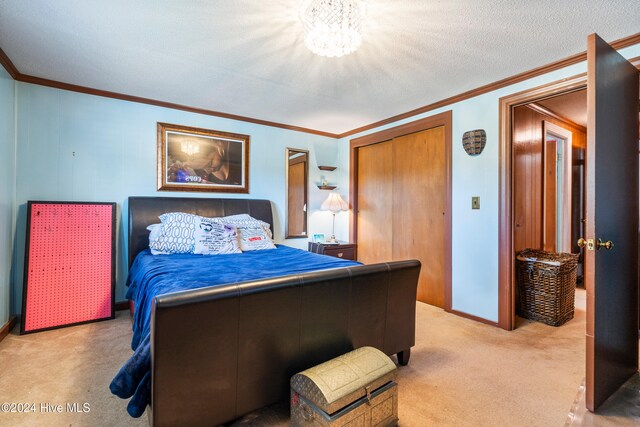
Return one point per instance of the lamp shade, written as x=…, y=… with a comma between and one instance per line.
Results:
x=334, y=203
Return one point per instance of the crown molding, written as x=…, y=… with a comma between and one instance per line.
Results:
x=6, y=62
x=571, y=60
x=98, y=92
x=8, y=65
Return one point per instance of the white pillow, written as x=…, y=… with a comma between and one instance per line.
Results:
x=254, y=238
x=213, y=238
x=155, y=231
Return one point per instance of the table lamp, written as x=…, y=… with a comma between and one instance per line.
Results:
x=335, y=204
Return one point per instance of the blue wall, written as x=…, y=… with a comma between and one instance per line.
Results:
x=79, y=147
x=115, y=156
x=7, y=188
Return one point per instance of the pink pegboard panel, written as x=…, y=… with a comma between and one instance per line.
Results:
x=69, y=264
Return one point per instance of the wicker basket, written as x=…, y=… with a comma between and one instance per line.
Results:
x=546, y=286
x=473, y=141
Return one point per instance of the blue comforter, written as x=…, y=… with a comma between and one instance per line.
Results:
x=152, y=275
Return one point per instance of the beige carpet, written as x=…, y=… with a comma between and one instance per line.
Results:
x=69, y=365
x=461, y=373
x=464, y=373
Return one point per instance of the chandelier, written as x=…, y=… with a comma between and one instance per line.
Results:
x=333, y=27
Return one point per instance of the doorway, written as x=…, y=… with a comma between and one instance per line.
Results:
x=611, y=176
x=506, y=207
x=548, y=146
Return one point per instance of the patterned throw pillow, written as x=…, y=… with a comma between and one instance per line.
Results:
x=213, y=238
x=177, y=233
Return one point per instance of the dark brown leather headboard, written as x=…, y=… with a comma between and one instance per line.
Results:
x=146, y=210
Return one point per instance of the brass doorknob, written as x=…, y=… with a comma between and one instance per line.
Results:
x=587, y=243
x=607, y=245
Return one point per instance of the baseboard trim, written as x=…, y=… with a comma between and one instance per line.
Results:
x=472, y=317
x=7, y=327
x=122, y=305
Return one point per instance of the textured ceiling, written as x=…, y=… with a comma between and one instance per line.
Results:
x=248, y=57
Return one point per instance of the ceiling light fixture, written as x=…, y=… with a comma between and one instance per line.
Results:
x=333, y=27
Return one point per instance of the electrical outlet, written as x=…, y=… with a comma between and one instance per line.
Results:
x=475, y=202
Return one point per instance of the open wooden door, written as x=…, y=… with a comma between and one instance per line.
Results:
x=611, y=275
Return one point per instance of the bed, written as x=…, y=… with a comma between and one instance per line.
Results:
x=219, y=352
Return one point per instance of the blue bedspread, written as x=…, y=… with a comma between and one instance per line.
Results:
x=152, y=275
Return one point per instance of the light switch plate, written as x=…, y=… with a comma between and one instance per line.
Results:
x=475, y=202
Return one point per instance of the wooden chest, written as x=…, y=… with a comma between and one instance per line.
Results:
x=355, y=389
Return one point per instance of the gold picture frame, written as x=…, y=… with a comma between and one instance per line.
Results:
x=195, y=159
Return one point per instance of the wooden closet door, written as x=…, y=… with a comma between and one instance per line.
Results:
x=419, y=206
x=375, y=210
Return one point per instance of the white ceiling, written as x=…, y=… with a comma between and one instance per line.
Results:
x=248, y=57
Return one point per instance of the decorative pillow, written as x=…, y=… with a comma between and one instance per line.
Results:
x=212, y=238
x=254, y=239
x=155, y=231
x=243, y=221
x=177, y=234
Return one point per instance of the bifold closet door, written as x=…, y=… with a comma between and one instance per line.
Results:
x=419, y=198
x=402, y=194
x=375, y=198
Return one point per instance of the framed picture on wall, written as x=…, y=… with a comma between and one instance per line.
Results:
x=194, y=159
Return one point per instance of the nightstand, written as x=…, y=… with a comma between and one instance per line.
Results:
x=342, y=250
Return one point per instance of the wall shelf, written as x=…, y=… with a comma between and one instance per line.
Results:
x=326, y=187
x=327, y=168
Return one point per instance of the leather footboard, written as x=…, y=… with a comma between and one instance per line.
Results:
x=221, y=352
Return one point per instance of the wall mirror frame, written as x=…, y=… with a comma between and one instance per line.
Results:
x=297, y=193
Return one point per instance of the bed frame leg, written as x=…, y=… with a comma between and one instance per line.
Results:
x=403, y=357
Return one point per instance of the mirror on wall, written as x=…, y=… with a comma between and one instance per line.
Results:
x=297, y=192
